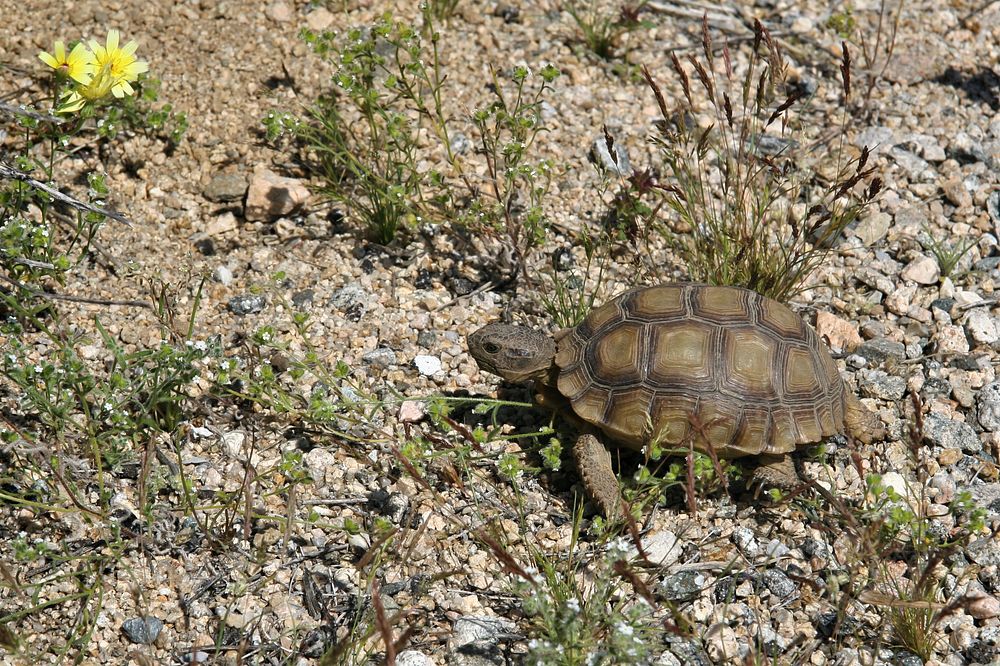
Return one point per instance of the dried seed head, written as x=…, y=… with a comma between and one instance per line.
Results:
x=660, y=102
x=728, y=106
x=685, y=84
x=703, y=76
x=845, y=71
x=706, y=39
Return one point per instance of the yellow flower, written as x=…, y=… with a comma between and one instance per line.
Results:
x=119, y=63
x=96, y=87
x=78, y=65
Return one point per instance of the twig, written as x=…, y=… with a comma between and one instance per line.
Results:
x=12, y=110
x=717, y=16
x=10, y=173
x=72, y=299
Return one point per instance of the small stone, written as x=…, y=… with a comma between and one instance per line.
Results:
x=142, y=630
x=220, y=225
x=412, y=411
x=981, y=327
x=247, y=304
x=840, y=334
x=983, y=606
x=955, y=192
x=880, y=384
x=745, y=539
x=949, y=457
x=279, y=12
x=877, y=139
x=479, y=629
x=988, y=407
x=352, y=300
x=303, y=298
x=427, y=365
x=945, y=487
x=916, y=168
x=226, y=187
x=900, y=300
x=873, y=228
x=662, y=548
x=381, y=357
x=922, y=270
x=271, y=196
x=320, y=19
x=951, y=434
x=222, y=275
x=683, y=585
x=618, y=164
x=951, y=339
x=412, y=657
x=878, y=350
x=778, y=583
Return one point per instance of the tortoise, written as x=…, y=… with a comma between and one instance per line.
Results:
x=682, y=364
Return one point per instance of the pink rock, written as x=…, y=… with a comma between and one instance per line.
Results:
x=271, y=196
x=841, y=335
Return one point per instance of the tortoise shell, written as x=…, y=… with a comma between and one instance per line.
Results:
x=703, y=364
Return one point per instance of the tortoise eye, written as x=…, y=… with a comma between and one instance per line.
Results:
x=491, y=348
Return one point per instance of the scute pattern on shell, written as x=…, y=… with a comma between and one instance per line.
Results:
x=747, y=369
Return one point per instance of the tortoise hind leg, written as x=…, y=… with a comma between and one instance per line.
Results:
x=593, y=462
x=775, y=472
x=861, y=423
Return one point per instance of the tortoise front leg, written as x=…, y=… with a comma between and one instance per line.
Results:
x=593, y=461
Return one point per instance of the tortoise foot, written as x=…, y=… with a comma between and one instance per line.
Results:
x=775, y=472
x=593, y=461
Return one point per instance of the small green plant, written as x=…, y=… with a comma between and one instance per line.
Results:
x=601, y=29
x=365, y=139
x=608, y=620
x=874, y=31
x=442, y=10
x=948, y=255
x=756, y=218
x=897, y=562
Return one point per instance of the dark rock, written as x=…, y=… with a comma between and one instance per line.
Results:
x=303, y=298
x=879, y=384
x=247, y=304
x=226, y=187
x=988, y=407
x=424, y=279
x=987, y=264
x=688, y=651
x=206, y=246
x=935, y=387
x=778, y=583
x=352, y=300
x=142, y=630
x=725, y=588
x=906, y=658
x=984, y=552
x=877, y=350
x=427, y=339
x=382, y=357
x=826, y=624
x=683, y=585
x=943, y=304
x=508, y=13
x=951, y=434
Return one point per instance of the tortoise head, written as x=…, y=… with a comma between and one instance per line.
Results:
x=516, y=353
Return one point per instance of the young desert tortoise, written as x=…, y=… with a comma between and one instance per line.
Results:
x=655, y=361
